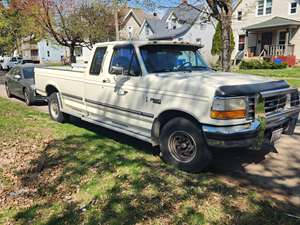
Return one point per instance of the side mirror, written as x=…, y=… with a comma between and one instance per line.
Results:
x=117, y=70
x=17, y=77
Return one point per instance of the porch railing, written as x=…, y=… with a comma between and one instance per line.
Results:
x=279, y=50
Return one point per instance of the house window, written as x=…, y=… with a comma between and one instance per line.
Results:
x=282, y=37
x=239, y=15
x=47, y=43
x=242, y=42
x=293, y=7
x=264, y=7
x=147, y=30
x=34, y=52
x=260, y=7
x=173, y=23
x=48, y=53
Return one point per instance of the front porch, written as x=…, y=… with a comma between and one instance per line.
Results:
x=271, y=39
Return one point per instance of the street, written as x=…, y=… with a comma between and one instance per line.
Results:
x=274, y=170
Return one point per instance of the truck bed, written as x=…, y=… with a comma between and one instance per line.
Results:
x=64, y=78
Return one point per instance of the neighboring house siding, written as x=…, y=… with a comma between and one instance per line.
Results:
x=280, y=8
x=51, y=52
x=202, y=34
x=131, y=22
x=144, y=35
x=184, y=24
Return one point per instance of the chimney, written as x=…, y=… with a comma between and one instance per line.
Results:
x=184, y=1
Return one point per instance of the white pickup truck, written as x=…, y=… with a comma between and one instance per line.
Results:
x=164, y=93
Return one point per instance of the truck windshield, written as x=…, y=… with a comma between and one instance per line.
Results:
x=172, y=58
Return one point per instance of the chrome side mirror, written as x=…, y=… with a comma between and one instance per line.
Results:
x=17, y=77
x=117, y=70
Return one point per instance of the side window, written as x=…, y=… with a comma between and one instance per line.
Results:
x=97, y=61
x=125, y=58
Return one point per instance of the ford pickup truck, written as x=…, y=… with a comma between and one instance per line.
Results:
x=164, y=93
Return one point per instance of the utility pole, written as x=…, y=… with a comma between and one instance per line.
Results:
x=116, y=17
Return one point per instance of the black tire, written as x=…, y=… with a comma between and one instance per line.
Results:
x=9, y=95
x=54, y=109
x=182, y=144
x=28, y=97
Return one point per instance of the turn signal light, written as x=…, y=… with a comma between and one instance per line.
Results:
x=228, y=115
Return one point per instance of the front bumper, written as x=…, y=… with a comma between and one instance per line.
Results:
x=248, y=135
x=255, y=133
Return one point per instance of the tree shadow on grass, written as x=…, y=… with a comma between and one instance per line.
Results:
x=123, y=182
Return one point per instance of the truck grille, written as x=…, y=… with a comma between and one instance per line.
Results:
x=274, y=103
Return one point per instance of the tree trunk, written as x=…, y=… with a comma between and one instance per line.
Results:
x=72, y=54
x=226, y=43
x=116, y=18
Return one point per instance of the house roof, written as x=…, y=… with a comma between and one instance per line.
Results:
x=185, y=13
x=272, y=23
x=170, y=33
x=139, y=14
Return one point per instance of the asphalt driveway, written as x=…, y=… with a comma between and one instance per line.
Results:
x=275, y=170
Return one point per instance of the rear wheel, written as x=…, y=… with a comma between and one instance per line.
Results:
x=54, y=109
x=28, y=97
x=9, y=95
x=182, y=145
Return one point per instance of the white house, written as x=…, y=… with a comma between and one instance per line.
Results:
x=183, y=23
x=268, y=29
x=43, y=51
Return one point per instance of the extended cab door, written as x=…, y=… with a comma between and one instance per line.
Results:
x=93, y=85
x=122, y=98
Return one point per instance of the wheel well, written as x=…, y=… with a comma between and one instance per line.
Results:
x=165, y=117
x=50, y=89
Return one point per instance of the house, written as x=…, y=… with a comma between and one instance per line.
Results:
x=131, y=22
x=186, y=23
x=268, y=29
x=43, y=51
x=4, y=3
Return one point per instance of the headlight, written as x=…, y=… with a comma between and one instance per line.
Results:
x=229, y=108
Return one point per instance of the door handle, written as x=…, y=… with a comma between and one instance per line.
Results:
x=107, y=80
x=122, y=92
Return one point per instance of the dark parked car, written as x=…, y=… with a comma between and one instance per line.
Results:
x=19, y=82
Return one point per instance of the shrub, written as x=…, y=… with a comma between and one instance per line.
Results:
x=257, y=64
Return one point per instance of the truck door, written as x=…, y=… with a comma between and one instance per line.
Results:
x=93, y=85
x=123, y=98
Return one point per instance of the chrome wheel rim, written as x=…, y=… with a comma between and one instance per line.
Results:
x=26, y=98
x=7, y=91
x=54, y=108
x=182, y=146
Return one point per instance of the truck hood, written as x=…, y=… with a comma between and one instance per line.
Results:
x=207, y=83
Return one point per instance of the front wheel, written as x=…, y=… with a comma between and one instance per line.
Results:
x=28, y=97
x=54, y=109
x=182, y=145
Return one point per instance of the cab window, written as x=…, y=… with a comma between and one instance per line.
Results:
x=124, y=61
x=97, y=61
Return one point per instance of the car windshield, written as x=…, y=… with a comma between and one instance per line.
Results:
x=28, y=73
x=172, y=58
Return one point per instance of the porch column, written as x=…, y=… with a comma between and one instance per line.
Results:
x=246, y=45
x=286, y=48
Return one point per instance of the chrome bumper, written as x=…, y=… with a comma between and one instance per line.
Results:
x=255, y=133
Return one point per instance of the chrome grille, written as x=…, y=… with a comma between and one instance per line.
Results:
x=251, y=108
x=275, y=103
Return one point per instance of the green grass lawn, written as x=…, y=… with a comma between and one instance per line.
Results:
x=65, y=174
x=292, y=75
